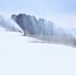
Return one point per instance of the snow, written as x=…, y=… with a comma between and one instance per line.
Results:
x=18, y=56
x=2, y=28
x=9, y=24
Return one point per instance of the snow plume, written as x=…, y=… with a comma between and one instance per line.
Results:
x=9, y=24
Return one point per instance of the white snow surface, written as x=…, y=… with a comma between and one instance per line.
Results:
x=18, y=56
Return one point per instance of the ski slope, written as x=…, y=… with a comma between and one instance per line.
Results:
x=18, y=56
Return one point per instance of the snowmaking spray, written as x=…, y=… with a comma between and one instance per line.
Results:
x=10, y=25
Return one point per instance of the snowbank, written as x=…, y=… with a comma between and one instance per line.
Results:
x=19, y=57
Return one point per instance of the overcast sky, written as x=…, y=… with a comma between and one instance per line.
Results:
x=61, y=12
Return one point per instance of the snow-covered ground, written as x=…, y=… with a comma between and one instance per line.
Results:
x=18, y=56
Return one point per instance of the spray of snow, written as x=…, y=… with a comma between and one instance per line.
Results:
x=9, y=24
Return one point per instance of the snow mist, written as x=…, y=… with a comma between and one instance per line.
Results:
x=9, y=24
